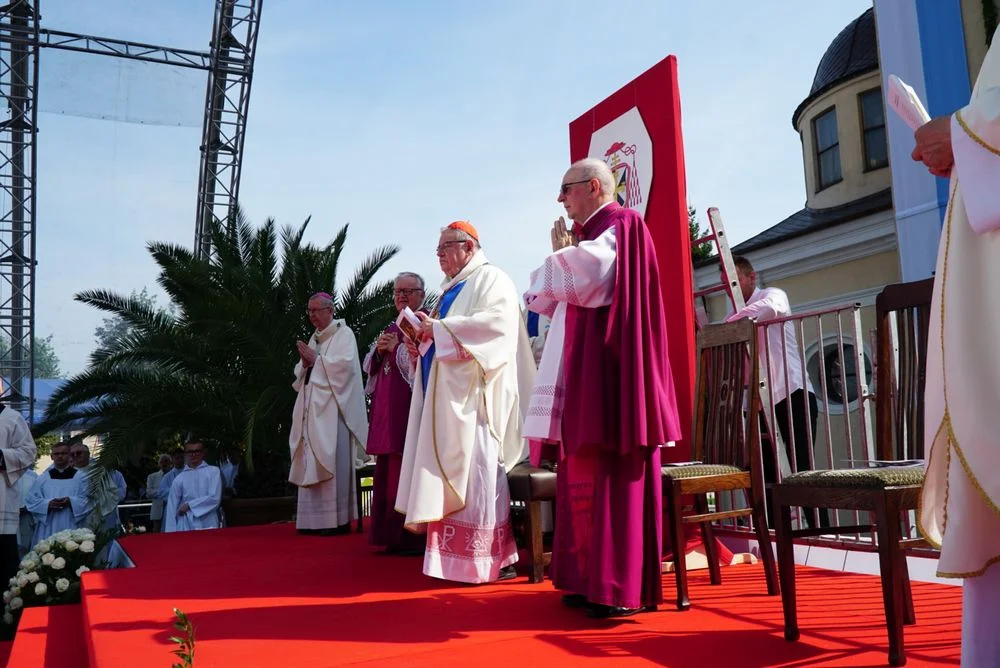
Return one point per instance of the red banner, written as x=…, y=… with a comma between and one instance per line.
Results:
x=637, y=131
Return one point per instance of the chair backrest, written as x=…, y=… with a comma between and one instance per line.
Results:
x=725, y=433
x=903, y=315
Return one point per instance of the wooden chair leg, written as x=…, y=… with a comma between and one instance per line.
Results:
x=708, y=540
x=360, y=505
x=889, y=554
x=759, y=516
x=910, y=615
x=673, y=499
x=786, y=567
x=536, y=550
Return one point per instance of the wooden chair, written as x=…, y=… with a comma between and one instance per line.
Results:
x=532, y=486
x=726, y=446
x=884, y=492
x=363, y=493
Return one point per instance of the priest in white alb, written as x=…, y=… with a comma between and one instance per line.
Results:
x=960, y=508
x=17, y=454
x=49, y=497
x=329, y=424
x=464, y=432
x=195, y=494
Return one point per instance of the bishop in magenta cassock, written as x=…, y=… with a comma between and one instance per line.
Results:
x=390, y=372
x=464, y=432
x=960, y=506
x=603, y=403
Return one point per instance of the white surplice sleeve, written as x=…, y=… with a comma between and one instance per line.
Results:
x=975, y=143
x=210, y=501
x=582, y=275
x=405, y=363
x=173, y=503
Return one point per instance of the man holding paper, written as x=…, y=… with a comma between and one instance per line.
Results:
x=960, y=508
x=329, y=422
x=470, y=393
x=390, y=372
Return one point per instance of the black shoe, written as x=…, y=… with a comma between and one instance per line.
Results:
x=598, y=611
x=508, y=573
x=575, y=601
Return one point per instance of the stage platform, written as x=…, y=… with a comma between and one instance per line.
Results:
x=265, y=596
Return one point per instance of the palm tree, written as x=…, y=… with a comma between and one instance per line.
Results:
x=220, y=363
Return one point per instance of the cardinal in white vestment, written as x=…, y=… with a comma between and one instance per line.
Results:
x=17, y=454
x=960, y=508
x=329, y=424
x=464, y=432
x=48, y=499
x=195, y=494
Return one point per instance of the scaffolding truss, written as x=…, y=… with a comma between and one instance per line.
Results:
x=229, y=65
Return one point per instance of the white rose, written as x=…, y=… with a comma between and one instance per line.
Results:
x=87, y=546
x=71, y=545
x=59, y=564
x=80, y=571
x=41, y=589
x=6, y=597
x=43, y=547
x=48, y=558
x=22, y=581
x=32, y=577
x=62, y=584
x=15, y=591
x=16, y=603
x=8, y=618
x=80, y=535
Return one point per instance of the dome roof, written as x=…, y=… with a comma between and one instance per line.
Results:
x=853, y=52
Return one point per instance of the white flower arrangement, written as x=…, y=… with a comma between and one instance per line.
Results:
x=50, y=573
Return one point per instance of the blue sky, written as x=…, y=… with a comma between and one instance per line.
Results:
x=399, y=117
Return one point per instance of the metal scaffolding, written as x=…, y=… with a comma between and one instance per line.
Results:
x=229, y=64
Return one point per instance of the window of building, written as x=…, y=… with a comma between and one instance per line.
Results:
x=841, y=388
x=873, y=129
x=827, y=149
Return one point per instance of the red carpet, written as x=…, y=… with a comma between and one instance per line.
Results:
x=264, y=596
x=49, y=637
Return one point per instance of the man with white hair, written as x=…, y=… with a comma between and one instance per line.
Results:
x=390, y=386
x=603, y=403
x=329, y=422
x=464, y=431
x=97, y=493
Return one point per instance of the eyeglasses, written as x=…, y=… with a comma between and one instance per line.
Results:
x=564, y=188
x=405, y=292
x=444, y=244
x=317, y=310
x=194, y=452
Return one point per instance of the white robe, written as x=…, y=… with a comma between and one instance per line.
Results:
x=153, y=481
x=95, y=498
x=466, y=434
x=27, y=525
x=18, y=451
x=201, y=489
x=582, y=275
x=48, y=522
x=960, y=505
x=329, y=430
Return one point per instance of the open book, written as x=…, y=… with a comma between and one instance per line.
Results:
x=409, y=324
x=903, y=99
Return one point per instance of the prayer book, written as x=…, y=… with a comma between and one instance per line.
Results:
x=903, y=99
x=409, y=324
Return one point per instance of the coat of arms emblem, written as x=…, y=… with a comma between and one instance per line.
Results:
x=621, y=159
